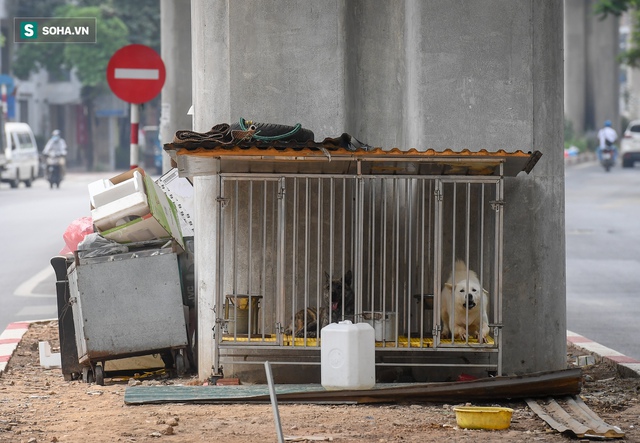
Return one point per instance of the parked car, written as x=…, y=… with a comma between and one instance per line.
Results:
x=21, y=154
x=630, y=144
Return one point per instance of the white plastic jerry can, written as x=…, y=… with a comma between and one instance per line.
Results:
x=347, y=356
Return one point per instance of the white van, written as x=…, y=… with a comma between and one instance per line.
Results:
x=21, y=155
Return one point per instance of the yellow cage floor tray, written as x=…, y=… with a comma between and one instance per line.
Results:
x=403, y=342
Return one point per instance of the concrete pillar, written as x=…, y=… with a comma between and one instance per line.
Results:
x=443, y=74
x=289, y=68
x=604, y=70
x=175, y=42
x=591, y=68
x=375, y=118
x=575, y=62
x=633, y=77
x=534, y=256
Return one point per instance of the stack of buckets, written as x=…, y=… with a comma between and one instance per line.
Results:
x=347, y=356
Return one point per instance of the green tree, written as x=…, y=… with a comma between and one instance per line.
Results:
x=615, y=7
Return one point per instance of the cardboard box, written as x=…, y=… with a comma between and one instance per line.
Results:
x=160, y=222
x=120, y=211
x=103, y=192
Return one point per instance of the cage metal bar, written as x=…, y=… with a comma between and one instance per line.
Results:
x=481, y=218
x=437, y=269
x=250, y=235
x=454, y=239
x=431, y=250
x=396, y=247
x=408, y=280
x=332, y=231
x=498, y=253
x=294, y=260
x=467, y=246
x=307, y=252
x=421, y=203
x=371, y=254
x=359, y=239
x=344, y=240
x=235, y=257
x=280, y=264
x=385, y=227
x=319, y=292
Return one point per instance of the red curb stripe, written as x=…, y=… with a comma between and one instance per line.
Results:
x=18, y=325
x=6, y=341
x=4, y=358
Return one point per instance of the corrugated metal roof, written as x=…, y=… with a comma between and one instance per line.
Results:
x=329, y=157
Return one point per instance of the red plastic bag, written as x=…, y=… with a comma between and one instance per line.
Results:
x=75, y=233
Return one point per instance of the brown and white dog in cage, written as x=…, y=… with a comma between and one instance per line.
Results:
x=462, y=296
x=333, y=299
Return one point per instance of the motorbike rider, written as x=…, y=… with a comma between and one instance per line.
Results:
x=607, y=136
x=55, y=149
x=56, y=146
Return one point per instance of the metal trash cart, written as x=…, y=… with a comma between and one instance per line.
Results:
x=127, y=305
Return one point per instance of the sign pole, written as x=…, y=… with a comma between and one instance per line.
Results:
x=135, y=122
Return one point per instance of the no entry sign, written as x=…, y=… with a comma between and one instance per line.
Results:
x=136, y=73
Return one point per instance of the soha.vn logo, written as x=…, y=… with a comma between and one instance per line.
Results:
x=29, y=30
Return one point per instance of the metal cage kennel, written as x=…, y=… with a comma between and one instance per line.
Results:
x=308, y=235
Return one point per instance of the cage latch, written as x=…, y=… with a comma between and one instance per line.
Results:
x=496, y=205
x=221, y=324
x=281, y=189
x=223, y=201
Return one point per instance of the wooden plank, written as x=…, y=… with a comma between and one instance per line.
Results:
x=225, y=394
x=567, y=382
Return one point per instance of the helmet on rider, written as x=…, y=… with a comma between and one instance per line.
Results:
x=56, y=133
x=607, y=123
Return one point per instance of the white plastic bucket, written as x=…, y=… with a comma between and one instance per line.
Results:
x=347, y=356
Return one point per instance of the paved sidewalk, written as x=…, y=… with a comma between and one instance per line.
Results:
x=626, y=366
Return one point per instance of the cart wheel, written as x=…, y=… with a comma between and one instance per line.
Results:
x=99, y=374
x=87, y=375
x=180, y=365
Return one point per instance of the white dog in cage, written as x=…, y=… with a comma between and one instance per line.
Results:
x=464, y=305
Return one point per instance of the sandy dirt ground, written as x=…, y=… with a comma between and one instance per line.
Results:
x=38, y=405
